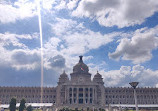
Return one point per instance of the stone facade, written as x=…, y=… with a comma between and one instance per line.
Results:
x=80, y=91
x=31, y=94
x=125, y=95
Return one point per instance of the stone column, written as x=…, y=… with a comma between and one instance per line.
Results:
x=83, y=95
x=72, y=95
x=68, y=95
x=135, y=98
x=88, y=95
x=93, y=96
x=77, y=95
x=65, y=96
x=58, y=99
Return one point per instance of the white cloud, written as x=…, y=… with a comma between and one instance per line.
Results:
x=126, y=74
x=136, y=70
x=19, y=10
x=53, y=42
x=139, y=48
x=50, y=49
x=20, y=58
x=112, y=78
x=121, y=13
x=17, y=54
x=78, y=39
x=75, y=35
x=57, y=61
x=73, y=39
x=7, y=39
x=47, y=4
x=61, y=5
x=62, y=26
x=25, y=59
x=125, y=70
x=82, y=42
x=72, y=4
x=8, y=13
x=4, y=60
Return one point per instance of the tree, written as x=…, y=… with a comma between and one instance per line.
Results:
x=87, y=108
x=12, y=105
x=76, y=109
x=67, y=109
x=22, y=105
x=29, y=108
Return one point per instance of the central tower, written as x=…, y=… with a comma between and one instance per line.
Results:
x=80, y=91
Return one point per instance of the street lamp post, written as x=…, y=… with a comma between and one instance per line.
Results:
x=93, y=107
x=134, y=85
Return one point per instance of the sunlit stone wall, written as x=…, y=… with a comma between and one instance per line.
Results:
x=31, y=94
x=115, y=95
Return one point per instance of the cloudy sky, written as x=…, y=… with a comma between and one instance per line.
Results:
x=119, y=38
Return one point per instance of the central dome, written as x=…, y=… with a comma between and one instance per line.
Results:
x=80, y=67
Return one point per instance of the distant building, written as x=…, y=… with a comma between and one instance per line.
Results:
x=80, y=91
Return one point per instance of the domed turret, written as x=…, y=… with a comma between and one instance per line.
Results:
x=63, y=78
x=98, y=78
x=80, y=72
x=80, y=67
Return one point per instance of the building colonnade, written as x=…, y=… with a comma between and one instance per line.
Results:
x=81, y=95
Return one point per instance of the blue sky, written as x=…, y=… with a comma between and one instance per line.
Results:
x=119, y=38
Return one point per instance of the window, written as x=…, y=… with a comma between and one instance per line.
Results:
x=80, y=89
x=75, y=89
x=70, y=101
x=80, y=101
x=86, y=101
x=70, y=89
x=80, y=95
x=145, y=96
x=91, y=100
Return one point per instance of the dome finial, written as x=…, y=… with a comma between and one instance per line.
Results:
x=64, y=73
x=80, y=59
